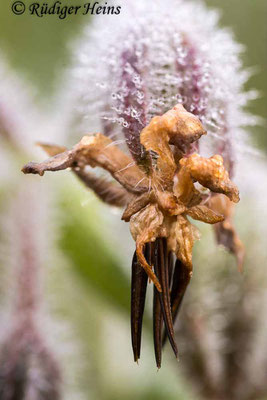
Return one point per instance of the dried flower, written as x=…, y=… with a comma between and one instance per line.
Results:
x=162, y=85
x=158, y=200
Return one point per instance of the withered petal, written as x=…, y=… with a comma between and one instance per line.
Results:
x=56, y=163
x=109, y=192
x=211, y=173
x=186, y=234
x=97, y=151
x=204, y=214
x=137, y=204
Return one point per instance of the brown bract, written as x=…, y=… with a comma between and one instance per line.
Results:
x=158, y=199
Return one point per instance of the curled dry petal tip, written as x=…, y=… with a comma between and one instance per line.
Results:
x=211, y=173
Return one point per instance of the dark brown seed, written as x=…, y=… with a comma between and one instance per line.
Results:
x=170, y=269
x=180, y=281
x=138, y=296
x=157, y=326
x=161, y=270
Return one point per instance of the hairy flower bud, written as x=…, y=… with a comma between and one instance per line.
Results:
x=153, y=56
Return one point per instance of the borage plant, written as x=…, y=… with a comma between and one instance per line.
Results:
x=165, y=81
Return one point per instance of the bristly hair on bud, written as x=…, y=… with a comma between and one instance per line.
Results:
x=152, y=56
x=154, y=81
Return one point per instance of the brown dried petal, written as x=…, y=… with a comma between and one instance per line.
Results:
x=184, y=189
x=135, y=205
x=108, y=192
x=177, y=126
x=96, y=151
x=185, y=234
x=169, y=203
x=204, y=214
x=210, y=173
x=145, y=227
x=56, y=163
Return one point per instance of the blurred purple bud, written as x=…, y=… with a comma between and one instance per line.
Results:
x=28, y=368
